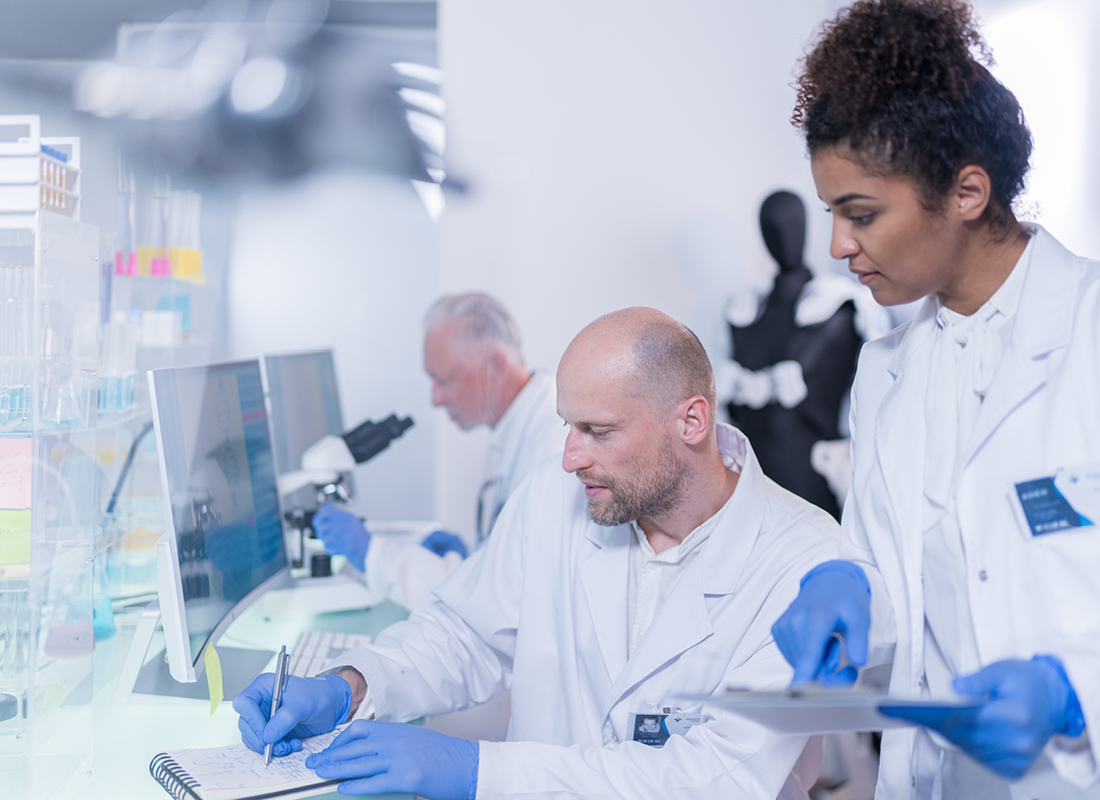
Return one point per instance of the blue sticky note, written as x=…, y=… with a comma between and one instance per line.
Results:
x=180, y=303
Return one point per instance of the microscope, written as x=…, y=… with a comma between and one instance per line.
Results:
x=324, y=465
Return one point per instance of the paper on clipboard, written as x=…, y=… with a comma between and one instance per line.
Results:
x=814, y=711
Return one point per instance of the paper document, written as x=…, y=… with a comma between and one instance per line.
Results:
x=228, y=773
x=815, y=710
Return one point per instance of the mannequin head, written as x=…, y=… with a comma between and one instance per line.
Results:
x=783, y=224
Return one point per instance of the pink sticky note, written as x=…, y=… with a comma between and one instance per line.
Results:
x=124, y=266
x=16, y=461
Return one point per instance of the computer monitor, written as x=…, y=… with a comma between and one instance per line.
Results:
x=225, y=544
x=305, y=406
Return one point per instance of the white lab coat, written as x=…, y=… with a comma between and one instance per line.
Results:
x=529, y=432
x=1027, y=595
x=543, y=608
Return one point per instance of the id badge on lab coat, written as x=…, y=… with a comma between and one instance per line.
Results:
x=1067, y=500
x=653, y=728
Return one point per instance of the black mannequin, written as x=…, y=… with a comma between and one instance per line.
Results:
x=827, y=352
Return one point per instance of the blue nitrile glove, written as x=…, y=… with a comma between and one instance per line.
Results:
x=1029, y=701
x=835, y=599
x=442, y=542
x=384, y=757
x=308, y=706
x=343, y=534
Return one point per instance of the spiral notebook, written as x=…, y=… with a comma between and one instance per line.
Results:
x=237, y=773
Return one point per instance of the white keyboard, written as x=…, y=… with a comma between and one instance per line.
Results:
x=317, y=648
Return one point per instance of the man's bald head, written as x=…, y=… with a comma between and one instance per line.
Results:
x=658, y=358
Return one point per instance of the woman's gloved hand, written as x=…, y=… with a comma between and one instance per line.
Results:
x=835, y=602
x=1028, y=702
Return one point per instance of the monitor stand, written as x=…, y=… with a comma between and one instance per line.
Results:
x=152, y=682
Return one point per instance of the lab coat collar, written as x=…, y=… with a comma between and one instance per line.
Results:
x=517, y=417
x=900, y=431
x=727, y=550
x=684, y=619
x=918, y=333
x=1044, y=320
x=604, y=577
x=1043, y=323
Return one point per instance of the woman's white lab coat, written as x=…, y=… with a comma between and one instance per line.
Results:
x=1027, y=595
x=543, y=607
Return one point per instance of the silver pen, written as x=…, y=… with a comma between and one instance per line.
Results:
x=842, y=646
x=277, y=695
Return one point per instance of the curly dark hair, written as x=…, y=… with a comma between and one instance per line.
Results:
x=903, y=84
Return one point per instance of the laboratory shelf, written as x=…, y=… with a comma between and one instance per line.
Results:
x=49, y=317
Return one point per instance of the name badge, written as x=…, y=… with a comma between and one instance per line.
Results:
x=1066, y=500
x=654, y=729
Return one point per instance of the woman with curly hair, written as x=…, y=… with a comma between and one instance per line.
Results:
x=971, y=561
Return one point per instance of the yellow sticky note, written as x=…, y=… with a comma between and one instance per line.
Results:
x=15, y=536
x=53, y=696
x=187, y=264
x=213, y=677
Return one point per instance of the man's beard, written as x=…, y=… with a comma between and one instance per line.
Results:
x=641, y=494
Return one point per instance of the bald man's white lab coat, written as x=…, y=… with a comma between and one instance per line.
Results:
x=543, y=608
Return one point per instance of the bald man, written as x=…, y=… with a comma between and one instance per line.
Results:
x=651, y=567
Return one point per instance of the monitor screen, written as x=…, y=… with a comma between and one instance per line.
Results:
x=305, y=406
x=219, y=476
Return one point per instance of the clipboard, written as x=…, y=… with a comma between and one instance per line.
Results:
x=813, y=710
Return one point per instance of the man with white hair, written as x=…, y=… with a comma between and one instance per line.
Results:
x=472, y=354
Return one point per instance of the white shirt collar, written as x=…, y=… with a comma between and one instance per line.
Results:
x=728, y=448
x=1004, y=302
x=693, y=540
x=1007, y=298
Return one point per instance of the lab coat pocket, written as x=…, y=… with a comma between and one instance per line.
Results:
x=1070, y=568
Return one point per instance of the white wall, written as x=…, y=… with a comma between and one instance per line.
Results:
x=349, y=262
x=617, y=153
x=1046, y=54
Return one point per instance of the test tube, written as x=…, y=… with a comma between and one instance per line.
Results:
x=7, y=305
x=13, y=331
x=13, y=637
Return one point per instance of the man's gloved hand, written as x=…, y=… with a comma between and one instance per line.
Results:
x=442, y=542
x=381, y=757
x=343, y=534
x=308, y=706
x=835, y=599
x=1029, y=701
